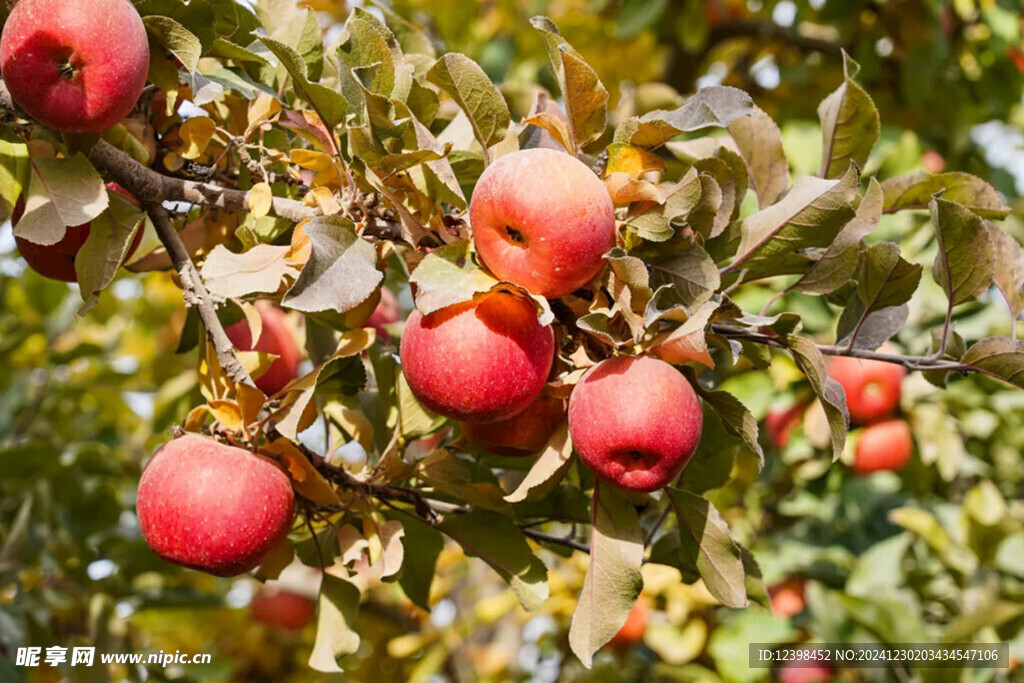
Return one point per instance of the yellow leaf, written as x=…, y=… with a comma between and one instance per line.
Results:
x=323, y=198
x=633, y=161
x=301, y=247
x=355, y=423
x=196, y=418
x=250, y=402
x=311, y=160
x=625, y=190
x=259, y=200
x=308, y=482
x=263, y=108
x=196, y=134
x=228, y=413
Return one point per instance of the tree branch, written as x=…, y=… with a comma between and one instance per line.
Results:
x=149, y=186
x=769, y=31
x=195, y=294
x=910, y=362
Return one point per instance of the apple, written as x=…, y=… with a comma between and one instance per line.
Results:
x=520, y=435
x=79, y=67
x=779, y=423
x=275, y=338
x=482, y=361
x=787, y=597
x=542, y=220
x=872, y=386
x=933, y=162
x=213, y=507
x=282, y=609
x=633, y=630
x=883, y=446
x=635, y=421
x=799, y=671
x=57, y=261
x=384, y=314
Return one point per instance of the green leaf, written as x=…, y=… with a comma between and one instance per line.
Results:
x=879, y=569
x=885, y=278
x=548, y=470
x=1009, y=268
x=759, y=141
x=413, y=419
x=965, y=262
x=692, y=272
x=711, y=466
x=449, y=276
x=736, y=419
x=713, y=106
x=839, y=262
x=371, y=47
x=927, y=527
x=330, y=105
x=704, y=542
x=849, y=123
x=464, y=80
x=585, y=97
x=871, y=329
x=61, y=193
x=501, y=544
x=341, y=272
x=14, y=170
x=999, y=357
x=613, y=580
x=421, y=544
x=178, y=40
x=810, y=215
x=655, y=223
x=335, y=626
x=833, y=399
x=110, y=236
x=410, y=37
x=915, y=191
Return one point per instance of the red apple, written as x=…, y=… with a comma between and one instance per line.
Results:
x=798, y=671
x=213, y=507
x=635, y=421
x=933, y=162
x=520, y=435
x=282, y=609
x=483, y=361
x=787, y=597
x=633, y=630
x=883, y=446
x=78, y=67
x=57, y=261
x=872, y=387
x=384, y=314
x=779, y=423
x=275, y=338
x=542, y=220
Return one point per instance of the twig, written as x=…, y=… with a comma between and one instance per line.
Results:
x=557, y=540
x=195, y=294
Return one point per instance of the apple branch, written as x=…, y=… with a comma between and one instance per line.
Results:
x=149, y=186
x=195, y=294
x=921, y=363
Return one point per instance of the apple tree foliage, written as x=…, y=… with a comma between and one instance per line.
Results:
x=357, y=158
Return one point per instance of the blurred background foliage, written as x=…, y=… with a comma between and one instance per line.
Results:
x=934, y=552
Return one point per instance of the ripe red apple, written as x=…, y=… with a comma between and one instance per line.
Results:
x=57, y=261
x=213, y=507
x=520, y=435
x=797, y=671
x=78, y=67
x=482, y=361
x=275, y=338
x=282, y=609
x=384, y=314
x=633, y=630
x=872, y=387
x=883, y=446
x=787, y=597
x=933, y=162
x=542, y=220
x=635, y=421
x=779, y=423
